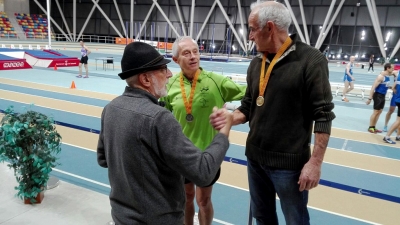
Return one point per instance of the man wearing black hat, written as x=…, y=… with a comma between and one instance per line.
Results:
x=141, y=144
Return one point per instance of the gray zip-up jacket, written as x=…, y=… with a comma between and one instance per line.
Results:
x=147, y=156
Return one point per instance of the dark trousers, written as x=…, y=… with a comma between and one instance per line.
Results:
x=371, y=65
x=264, y=183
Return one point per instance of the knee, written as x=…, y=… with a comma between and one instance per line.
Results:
x=204, y=202
x=189, y=196
x=351, y=88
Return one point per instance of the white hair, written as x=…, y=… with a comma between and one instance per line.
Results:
x=277, y=13
x=175, y=46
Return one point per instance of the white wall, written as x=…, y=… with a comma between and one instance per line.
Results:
x=1, y=5
x=13, y=6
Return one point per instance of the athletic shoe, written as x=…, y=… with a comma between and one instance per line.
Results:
x=388, y=140
x=371, y=130
x=345, y=99
x=397, y=138
x=384, y=129
x=378, y=131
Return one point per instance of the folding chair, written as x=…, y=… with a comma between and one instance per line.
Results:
x=110, y=60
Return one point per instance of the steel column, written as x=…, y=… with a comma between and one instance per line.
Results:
x=87, y=20
x=230, y=24
x=242, y=24
x=322, y=33
x=166, y=17
x=192, y=18
x=108, y=19
x=331, y=22
x=206, y=20
x=120, y=18
x=180, y=17
x=304, y=22
x=295, y=21
x=51, y=20
x=376, y=28
x=132, y=11
x=63, y=18
x=48, y=23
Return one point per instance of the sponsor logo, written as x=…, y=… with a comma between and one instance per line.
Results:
x=361, y=192
x=14, y=65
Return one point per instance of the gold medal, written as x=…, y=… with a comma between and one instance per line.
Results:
x=260, y=101
x=188, y=103
x=264, y=77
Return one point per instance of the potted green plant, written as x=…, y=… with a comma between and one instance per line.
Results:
x=29, y=143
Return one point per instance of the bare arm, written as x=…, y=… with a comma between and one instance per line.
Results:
x=378, y=80
x=311, y=172
x=87, y=51
x=238, y=117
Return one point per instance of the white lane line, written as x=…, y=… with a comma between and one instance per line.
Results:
x=57, y=109
x=355, y=168
x=55, y=99
x=82, y=178
x=108, y=186
x=344, y=144
x=341, y=215
x=27, y=86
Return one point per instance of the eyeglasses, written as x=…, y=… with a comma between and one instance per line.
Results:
x=164, y=69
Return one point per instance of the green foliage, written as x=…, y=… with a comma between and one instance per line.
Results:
x=29, y=142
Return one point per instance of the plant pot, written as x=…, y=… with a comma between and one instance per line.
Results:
x=39, y=199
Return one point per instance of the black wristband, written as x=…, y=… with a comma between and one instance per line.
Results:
x=370, y=99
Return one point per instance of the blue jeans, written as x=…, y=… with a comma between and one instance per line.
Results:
x=265, y=182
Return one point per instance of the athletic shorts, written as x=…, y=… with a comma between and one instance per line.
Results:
x=398, y=106
x=392, y=102
x=212, y=183
x=84, y=59
x=347, y=78
x=379, y=101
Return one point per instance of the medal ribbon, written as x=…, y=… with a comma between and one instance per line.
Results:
x=265, y=77
x=188, y=105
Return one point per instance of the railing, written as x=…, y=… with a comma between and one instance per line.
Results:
x=88, y=38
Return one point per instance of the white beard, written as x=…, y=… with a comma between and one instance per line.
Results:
x=159, y=90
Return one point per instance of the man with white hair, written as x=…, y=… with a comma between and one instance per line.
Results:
x=192, y=94
x=288, y=92
x=141, y=144
x=348, y=78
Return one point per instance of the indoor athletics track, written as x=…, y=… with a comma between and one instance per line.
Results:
x=360, y=181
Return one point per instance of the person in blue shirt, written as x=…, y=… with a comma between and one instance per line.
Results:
x=396, y=124
x=348, y=78
x=378, y=94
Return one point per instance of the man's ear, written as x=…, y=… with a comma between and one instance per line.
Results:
x=144, y=79
x=270, y=26
x=175, y=59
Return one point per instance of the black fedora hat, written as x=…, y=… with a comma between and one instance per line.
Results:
x=139, y=57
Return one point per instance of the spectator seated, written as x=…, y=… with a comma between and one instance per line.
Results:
x=6, y=29
x=34, y=25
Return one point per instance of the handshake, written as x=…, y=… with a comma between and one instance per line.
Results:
x=221, y=120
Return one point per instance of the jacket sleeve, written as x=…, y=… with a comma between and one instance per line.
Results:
x=320, y=96
x=230, y=90
x=185, y=158
x=101, y=156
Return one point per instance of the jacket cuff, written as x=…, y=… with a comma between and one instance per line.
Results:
x=323, y=127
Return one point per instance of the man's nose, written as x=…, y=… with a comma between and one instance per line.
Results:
x=169, y=73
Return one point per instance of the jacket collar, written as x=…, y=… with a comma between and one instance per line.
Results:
x=295, y=38
x=139, y=93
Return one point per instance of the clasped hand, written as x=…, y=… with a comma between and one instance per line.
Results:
x=221, y=120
